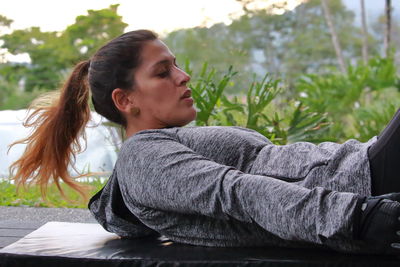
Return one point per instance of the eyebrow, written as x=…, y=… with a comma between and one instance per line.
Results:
x=162, y=62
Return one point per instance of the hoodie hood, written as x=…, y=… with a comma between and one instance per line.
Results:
x=109, y=209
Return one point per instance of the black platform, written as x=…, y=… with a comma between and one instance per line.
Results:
x=79, y=244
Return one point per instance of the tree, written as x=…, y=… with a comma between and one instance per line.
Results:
x=386, y=41
x=334, y=36
x=93, y=30
x=4, y=24
x=53, y=53
x=305, y=45
x=4, y=21
x=214, y=45
x=365, y=33
x=285, y=45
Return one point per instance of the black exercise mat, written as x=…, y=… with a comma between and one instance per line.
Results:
x=78, y=244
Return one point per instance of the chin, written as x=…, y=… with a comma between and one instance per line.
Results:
x=185, y=121
x=193, y=116
x=187, y=116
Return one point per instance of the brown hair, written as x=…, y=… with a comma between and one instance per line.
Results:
x=58, y=126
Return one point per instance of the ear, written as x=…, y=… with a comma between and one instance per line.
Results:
x=122, y=100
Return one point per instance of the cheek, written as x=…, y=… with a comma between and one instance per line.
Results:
x=161, y=101
x=165, y=98
x=158, y=94
x=164, y=102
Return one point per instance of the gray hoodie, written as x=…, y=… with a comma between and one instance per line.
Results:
x=229, y=186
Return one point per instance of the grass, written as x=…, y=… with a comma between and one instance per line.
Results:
x=32, y=196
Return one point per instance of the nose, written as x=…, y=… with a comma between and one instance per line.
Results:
x=182, y=77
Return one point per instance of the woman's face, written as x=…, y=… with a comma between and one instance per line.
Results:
x=160, y=89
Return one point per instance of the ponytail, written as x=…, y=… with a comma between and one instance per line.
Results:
x=55, y=138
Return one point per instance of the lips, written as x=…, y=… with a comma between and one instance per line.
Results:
x=187, y=94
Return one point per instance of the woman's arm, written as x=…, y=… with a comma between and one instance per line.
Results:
x=232, y=146
x=156, y=171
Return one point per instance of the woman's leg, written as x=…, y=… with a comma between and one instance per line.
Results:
x=384, y=158
x=338, y=167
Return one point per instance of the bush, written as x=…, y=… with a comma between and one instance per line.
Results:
x=260, y=109
x=12, y=97
x=356, y=103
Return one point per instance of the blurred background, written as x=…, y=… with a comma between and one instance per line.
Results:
x=295, y=70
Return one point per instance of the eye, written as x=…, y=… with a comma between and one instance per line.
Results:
x=163, y=74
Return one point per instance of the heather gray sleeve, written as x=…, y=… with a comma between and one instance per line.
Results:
x=158, y=172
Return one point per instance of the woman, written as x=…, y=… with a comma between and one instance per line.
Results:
x=213, y=186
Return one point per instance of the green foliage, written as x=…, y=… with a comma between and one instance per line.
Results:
x=91, y=31
x=308, y=48
x=214, y=45
x=4, y=21
x=286, y=46
x=357, y=102
x=298, y=124
x=33, y=197
x=376, y=110
x=208, y=94
x=51, y=53
x=330, y=107
x=259, y=96
x=292, y=123
x=11, y=96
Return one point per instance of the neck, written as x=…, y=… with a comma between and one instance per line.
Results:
x=134, y=127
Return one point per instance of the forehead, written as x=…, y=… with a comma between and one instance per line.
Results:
x=155, y=51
